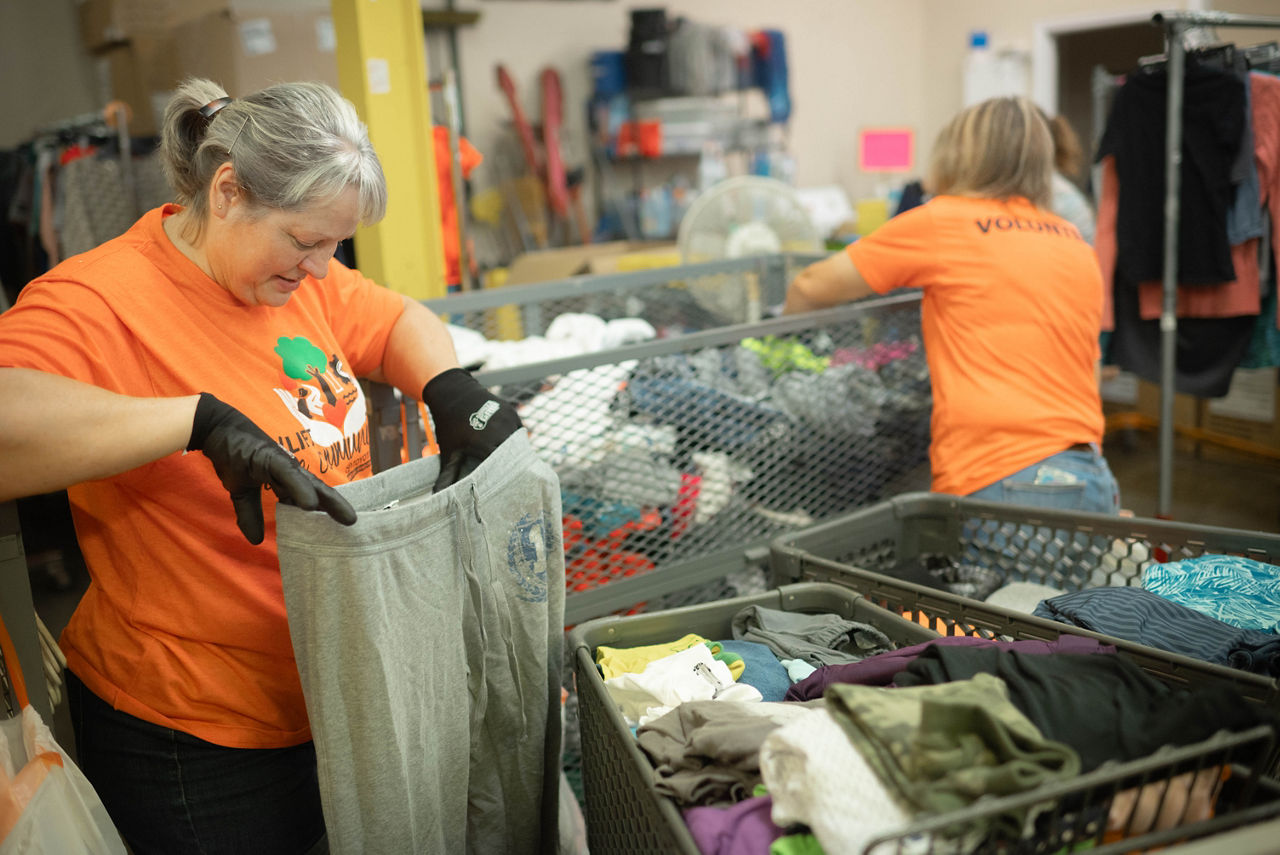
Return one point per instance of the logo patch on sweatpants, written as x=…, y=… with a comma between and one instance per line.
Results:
x=533, y=539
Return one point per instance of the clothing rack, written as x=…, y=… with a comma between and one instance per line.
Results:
x=1176, y=26
x=112, y=121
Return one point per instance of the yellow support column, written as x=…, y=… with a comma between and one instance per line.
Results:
x=382, y=69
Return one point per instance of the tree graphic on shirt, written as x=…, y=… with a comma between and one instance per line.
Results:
x=302, y=360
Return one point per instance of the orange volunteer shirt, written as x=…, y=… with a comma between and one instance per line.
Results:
x=1011, y=314
x=183, y=624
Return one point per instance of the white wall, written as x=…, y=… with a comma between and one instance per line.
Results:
x=852, y=63
x=45, y=76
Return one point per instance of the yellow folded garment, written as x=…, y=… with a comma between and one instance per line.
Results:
x=613, y=661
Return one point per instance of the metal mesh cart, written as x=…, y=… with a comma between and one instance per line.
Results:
x=626, y=814
x=1069, y=551
x=674, y=300
x=681, y=457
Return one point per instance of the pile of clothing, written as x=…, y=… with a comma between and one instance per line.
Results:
x=808, y=733
x=677, y=456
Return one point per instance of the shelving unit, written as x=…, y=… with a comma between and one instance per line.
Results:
x=659, y=139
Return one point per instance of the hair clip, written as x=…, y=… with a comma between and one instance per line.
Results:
x=211, y=109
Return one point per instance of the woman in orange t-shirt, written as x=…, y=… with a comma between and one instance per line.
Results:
x=221, y=324
x=1010, y=315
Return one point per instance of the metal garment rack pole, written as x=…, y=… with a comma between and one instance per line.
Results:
x=1176, y=25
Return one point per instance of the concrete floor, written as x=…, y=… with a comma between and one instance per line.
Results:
x=1211, y=485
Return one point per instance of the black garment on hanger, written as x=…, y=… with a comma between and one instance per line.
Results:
x=1208, y=350
x=1212, y=133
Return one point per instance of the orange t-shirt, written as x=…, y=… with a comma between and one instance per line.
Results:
x=183, y=624
x=1011, y=315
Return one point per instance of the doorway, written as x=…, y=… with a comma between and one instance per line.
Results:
x=1116, y=50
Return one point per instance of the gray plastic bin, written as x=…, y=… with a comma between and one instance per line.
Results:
x=1068, y=550
x=626, y=814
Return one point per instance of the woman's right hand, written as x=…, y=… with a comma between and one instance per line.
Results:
x=245, y=458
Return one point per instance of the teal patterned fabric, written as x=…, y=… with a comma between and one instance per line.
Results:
x=1239, y=591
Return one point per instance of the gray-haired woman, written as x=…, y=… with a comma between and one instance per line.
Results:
x=221, y=324
x=1011, y=313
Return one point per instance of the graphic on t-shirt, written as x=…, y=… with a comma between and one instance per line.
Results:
x=318, y=391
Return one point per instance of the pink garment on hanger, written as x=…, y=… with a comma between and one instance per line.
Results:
x=1229, y=299
x=1265, y=91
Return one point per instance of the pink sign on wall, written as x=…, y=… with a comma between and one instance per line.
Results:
x=886, y=149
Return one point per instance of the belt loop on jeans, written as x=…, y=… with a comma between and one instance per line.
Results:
x=1085, y=446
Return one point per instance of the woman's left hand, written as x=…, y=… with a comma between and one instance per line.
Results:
x=470, y=422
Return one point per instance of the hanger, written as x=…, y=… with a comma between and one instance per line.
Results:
x=1220, y=57
x=1262, y=57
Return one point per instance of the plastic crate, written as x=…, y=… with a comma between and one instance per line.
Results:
x=1068, y=550
x=626, y=814
x=680, y=458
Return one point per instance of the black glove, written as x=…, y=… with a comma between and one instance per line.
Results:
x=470, y=423
x=245, y=458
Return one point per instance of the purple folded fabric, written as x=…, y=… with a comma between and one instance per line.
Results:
x=879, y=670
x=741, y=829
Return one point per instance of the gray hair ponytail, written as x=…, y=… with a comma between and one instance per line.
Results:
x=291, y=145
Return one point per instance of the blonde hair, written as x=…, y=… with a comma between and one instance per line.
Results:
x=997, y=149
x=291, y=145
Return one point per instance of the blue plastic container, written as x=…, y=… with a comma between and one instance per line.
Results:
x=609, y=73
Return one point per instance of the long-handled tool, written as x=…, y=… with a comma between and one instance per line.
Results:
x=523, y=128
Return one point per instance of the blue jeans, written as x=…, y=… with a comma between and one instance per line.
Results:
x=170, y=792
x=1067, y=481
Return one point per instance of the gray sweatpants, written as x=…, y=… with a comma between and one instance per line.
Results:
x=429, y=640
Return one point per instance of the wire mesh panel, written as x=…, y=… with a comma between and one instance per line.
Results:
x=674, y=301
x=678, y=457
x=886, y=553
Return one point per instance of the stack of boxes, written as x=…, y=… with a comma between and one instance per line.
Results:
x=144, y=47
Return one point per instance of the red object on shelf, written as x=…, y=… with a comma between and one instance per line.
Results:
x=639, y=139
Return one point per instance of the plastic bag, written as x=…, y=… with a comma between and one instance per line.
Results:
x=47, y=805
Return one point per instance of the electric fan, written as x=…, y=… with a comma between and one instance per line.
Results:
x=744, y=216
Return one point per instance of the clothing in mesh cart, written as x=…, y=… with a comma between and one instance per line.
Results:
x=679, y=457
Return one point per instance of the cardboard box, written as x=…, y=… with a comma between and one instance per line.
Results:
x=104, y=23
x=244, y=49
x=592, y=259
x=1186, y=408
x=1250, y=413
x=1215, y=432
x=141, y=72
